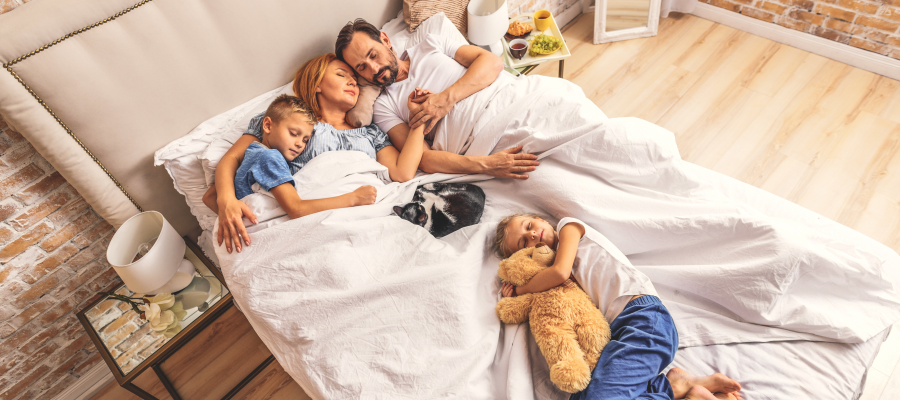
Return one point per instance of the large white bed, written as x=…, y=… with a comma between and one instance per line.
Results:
x=358, y=303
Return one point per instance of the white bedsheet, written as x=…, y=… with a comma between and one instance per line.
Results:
x=358, y=303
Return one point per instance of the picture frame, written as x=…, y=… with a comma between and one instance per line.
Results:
x=600, y=23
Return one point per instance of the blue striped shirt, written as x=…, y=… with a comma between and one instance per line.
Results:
x=368, y=139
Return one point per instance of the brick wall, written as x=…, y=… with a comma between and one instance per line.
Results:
x=872, y=25
x=556, y=7
x=52, y=261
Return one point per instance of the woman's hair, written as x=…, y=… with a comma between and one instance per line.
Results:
x=499, y=246
x=308, y=78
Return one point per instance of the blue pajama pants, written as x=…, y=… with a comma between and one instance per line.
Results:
x=643, y=343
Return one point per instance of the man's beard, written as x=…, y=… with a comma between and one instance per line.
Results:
x=393, y=69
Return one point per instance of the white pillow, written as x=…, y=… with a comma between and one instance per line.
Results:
x=437, y=25
x=243, y=114
x=182, y=157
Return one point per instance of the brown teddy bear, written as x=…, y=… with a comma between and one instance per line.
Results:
x=570, y=331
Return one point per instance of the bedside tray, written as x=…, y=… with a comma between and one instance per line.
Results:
x=528, y=59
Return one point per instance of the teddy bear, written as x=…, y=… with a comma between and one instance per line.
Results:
x=570, y=331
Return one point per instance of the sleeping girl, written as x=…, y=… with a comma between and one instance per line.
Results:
x=644, y=339
x=328, y=86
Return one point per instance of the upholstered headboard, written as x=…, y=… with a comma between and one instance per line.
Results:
x=97, y=86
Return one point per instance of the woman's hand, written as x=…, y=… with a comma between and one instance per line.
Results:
x=363, y=196
x=508, y=290
x=432, y=107
x=231, y=226
x=510, y=163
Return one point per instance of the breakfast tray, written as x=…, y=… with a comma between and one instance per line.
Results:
x=528, y=59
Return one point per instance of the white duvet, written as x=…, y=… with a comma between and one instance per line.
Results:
x=357, y=303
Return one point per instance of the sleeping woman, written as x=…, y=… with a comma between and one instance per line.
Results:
x=328, y=87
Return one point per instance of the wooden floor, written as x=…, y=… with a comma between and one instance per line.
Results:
x=815, y=131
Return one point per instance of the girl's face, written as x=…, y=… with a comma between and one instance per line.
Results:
x=338, y=86
x=525, y=232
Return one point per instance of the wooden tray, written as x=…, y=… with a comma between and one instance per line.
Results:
x=528, y=59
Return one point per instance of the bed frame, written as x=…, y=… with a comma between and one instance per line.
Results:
x=97, y=86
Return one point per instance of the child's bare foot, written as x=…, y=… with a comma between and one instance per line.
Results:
x=683, y=382
x=698, y=392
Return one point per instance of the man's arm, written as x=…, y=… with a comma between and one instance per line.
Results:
x=482, y=70
x=509, y=163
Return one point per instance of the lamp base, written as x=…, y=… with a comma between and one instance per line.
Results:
x=496, y=48
x=180, y=280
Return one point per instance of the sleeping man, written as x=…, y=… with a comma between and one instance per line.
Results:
x=463, y=79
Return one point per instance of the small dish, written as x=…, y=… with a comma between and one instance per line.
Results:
x=511, y=37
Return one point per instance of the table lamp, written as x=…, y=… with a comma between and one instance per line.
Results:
x=488, y=22
x=148, y=254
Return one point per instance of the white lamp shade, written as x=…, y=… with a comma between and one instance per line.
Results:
x=159, y=265
x=488, y=21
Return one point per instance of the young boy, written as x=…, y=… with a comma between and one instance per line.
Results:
x=644, y=339
x=287, y=127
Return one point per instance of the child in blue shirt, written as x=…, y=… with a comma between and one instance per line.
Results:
x=286, y=129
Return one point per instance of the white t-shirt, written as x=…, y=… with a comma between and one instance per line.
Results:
x=433, y=67
x=605, y=273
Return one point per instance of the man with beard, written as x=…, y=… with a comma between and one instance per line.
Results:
x=453, y=73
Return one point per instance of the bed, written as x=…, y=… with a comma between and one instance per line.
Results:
x=348, y=319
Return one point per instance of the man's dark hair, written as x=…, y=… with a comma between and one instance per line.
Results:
x=346, y=35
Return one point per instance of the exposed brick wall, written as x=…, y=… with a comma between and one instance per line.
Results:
x=8, y=5
x=872, y=25
x=52, y=261
x=556, y=7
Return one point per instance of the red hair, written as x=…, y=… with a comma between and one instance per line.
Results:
x=308, y=78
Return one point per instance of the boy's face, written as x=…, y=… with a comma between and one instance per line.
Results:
x=522, y=232
x=289, y=136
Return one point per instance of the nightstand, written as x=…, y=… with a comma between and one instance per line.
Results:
x=129, y=347
x=529, y=62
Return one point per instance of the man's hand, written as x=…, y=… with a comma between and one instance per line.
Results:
x=231, y=226
x=432, y=108
x=363, y=196
x=510, y=163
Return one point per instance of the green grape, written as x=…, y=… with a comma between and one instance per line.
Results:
x=544, y=44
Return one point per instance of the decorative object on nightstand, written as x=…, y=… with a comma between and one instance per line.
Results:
x=616, y=20
x=530, y=60
x=148, y=254
x=163, y=312
x=487, y=24
x=127, y=343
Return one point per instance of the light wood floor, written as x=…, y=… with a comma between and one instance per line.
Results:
x=817, y=132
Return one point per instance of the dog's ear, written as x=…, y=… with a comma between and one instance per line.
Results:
x=398, y=210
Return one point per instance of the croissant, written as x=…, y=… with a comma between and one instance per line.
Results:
x=518, y=28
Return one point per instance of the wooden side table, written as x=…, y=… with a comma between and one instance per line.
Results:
x=129, y=347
